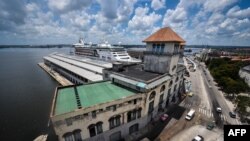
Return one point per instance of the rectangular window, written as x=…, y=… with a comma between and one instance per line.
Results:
x=117, y=121
x=133, y=115
x=139, y=113
x=108, y=108
x=114, y=108
x=169, y=91
x=99, y=128
x=86, y=115
x=162, y=48
x=78, y=117
x=135, y=100
x=158, y=48
x=92, y=131
x=114, y=122
x=111, y=123
x=151, y=107
x=58, y=123
x=106, y=75
x=94, y=114
x=153, y=49
x=129, y=116
x=176, y=48
x=68, y=121
x=161, y=99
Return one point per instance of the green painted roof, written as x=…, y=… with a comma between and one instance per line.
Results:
x=65, y=101
x=89, y=95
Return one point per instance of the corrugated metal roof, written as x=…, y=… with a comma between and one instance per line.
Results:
x=77, y=70
x=86, y=66
x=164, y=35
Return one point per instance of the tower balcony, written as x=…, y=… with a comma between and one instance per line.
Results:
x=161, y=53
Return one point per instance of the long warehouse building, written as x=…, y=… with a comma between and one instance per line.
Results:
x=78, y=70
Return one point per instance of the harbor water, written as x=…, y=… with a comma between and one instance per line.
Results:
x=26, y=93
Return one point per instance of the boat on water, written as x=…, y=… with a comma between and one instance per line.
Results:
x=105, y=51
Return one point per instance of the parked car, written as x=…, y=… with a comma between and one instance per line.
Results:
x=163, y=117
x=198, y=138
x=210, y=125
x=190, y=94
x=232, y=114
x=218, y=109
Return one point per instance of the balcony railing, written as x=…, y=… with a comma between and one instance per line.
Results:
x=161, y=53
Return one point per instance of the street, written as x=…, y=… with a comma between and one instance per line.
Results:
x=205, y=99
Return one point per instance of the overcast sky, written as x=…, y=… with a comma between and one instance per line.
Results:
x=204, y=22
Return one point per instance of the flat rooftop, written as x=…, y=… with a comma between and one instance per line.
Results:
x=90, y=60
x=136, y=71
x=92, y=76
x=80, y=64
x=89, y=95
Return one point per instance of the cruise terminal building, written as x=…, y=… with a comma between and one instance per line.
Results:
x=127, y=99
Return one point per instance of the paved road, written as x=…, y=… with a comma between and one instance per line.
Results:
x=216, y=96
x=209, y=96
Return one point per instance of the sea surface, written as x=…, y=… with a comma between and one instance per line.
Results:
x=26, y=93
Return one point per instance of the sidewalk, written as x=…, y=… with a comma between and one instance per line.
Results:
x=155, y=128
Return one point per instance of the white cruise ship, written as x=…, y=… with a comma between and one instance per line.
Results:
x=107, y=52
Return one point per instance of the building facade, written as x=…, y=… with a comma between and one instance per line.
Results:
x=127, y=100
x=244, y=73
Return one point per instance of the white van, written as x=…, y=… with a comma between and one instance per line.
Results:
x=190, y=114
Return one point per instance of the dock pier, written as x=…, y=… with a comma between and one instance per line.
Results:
x=59, y=78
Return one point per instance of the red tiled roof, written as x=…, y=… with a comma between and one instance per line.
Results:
x=165, y=34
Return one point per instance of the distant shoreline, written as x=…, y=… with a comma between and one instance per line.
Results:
x=126, y=46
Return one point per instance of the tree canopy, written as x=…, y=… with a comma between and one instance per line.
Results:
x=226, y=74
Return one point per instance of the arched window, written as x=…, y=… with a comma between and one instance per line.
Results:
x=162, y=89
x=92, y=130
x=175, y=87
x=177, y=78
x=152, y=95
x=68, y=136
x=77, y=135
x=114, y=121
x=170, y=83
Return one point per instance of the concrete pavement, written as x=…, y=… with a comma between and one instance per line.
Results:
x=208, y=135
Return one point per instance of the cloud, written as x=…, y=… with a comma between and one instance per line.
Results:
x=76, y=20
x=125, y=10
x=128, y=21
x=236, y=12
x=109, y=8
x=12, y=13
x=214, y=5
x=143, y=21
x=157, y=4
x=64, y=6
